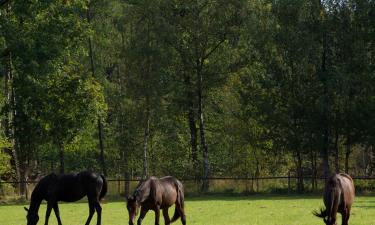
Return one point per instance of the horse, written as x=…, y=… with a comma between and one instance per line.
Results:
x=338, y=197
x=68, y=188
x=155, y=194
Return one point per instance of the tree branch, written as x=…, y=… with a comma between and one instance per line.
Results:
x=214, y=49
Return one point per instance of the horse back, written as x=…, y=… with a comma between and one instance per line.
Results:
x=73, y=187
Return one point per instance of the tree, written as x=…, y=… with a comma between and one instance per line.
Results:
x=200, y=37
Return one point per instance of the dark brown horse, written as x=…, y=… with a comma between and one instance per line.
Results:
x=67, y=188
x=155, y=194
x=339, y=195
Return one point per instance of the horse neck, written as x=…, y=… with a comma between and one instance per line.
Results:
x=35, y=203
x=143, y=191
x=37, y=196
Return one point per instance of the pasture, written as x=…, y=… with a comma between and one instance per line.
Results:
x=212, y=210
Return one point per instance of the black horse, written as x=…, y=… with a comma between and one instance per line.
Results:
x=68, y=188
x=155, y=194
x=339, y=195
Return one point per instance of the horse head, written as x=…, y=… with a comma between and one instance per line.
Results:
x=32, y=217
x=132, y=206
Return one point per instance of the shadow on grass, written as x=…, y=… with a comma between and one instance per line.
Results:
x=365, y=206
x=254, y=197
x=217, y=197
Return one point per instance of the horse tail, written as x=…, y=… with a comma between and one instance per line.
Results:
x=104, y=190
x=179, y=210
x=331, y=206
x=337, y=199
x=322, y=213
x=334, y=203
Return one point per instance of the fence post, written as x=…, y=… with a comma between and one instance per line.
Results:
x=289, y=182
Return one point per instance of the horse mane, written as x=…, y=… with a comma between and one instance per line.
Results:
x=144, y=189
x=42, y=185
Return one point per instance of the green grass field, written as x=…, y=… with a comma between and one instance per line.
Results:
x=213, y=210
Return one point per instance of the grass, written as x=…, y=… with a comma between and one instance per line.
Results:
x=210, y=210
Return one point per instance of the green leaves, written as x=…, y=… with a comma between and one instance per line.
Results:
x=5, y=166
x=273, y=76
x=71, y=102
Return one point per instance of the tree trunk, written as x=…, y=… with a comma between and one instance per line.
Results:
x=325, y=122
x=145, y=143
x=337, y=153
x=10, y=129
x=324, y=78
x=206, y=164
x=62, y=158
x=8, y=96
x=192, y=125
x=193, y=141
x=300, y=186
x=101, y=145
x=100, y=124
x=347, y=154
x=371, y=169
x=372, y=160
x=91, y=54
x=257, y=174
x=313, y=169
x=23, y=185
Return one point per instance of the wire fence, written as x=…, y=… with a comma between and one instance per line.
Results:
x=217, y=185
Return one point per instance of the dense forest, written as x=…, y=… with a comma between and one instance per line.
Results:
x=194, y=89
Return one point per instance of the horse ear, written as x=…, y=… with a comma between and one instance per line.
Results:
x=26, y=209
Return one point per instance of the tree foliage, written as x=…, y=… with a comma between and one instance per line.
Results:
x=189, y=88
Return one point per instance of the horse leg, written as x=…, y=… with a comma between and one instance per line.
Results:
x=142, y=216
x=98, y=209
x=183, y=217
x=157, y=215
x=91, y=212
x=333, y=220
x=182, y=213
x=57, y=213
x=345, y=217
x=166, y=216
x=48, y=212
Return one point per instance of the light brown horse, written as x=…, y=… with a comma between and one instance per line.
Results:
x=155, y=194
x=339, y=195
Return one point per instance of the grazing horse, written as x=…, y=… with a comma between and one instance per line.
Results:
x=68, y=188
x=338, y=197
x=155, y=194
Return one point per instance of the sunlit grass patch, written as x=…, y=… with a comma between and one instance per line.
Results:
x=211, y=210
